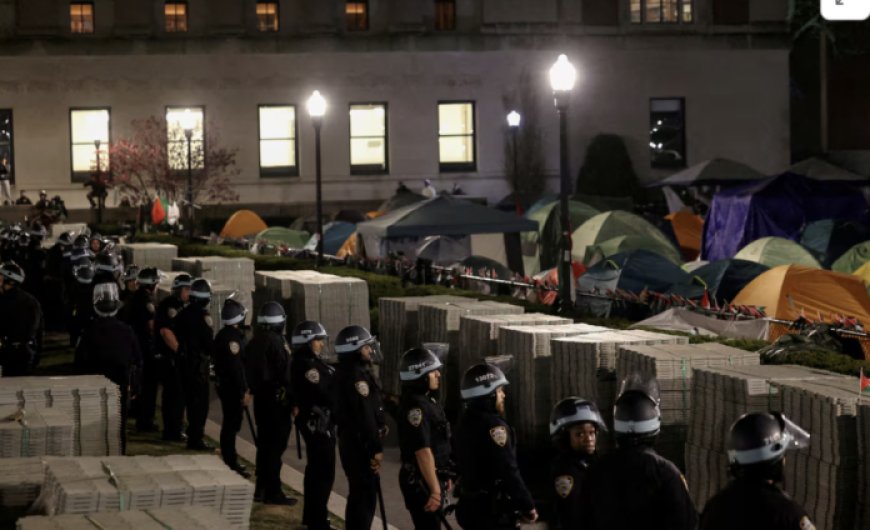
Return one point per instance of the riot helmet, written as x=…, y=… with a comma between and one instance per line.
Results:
x=416, y=363
x=132, y=273
x=12, y=273
x=81, y=241
x=84, y=273
x=272, y=317
x=148, y=277
x=232, y=312
x=307, y=331
x=65, y=239
x=758, y=441
x=181, y=281
x=636, y=414
x=351, y=339
x=107, y=263
x=482, y=380
x=106, y=299
x=200, y=291
x=573, y=410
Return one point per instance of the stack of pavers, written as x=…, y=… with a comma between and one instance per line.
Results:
x=529, y=401
x=397, y=331
x=180, y=517
x=90, y=484
x=158, y=255
x=585, y=366
x=226, y=275
x=20, y=481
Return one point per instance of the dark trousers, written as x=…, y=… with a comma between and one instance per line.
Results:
x=172, y=398
x=479, y=513
x=194, y=379
x=231, y=407
x=319, y=476
x=361, y=482
x=416, y=496
x=274, y=423
x=146, y=402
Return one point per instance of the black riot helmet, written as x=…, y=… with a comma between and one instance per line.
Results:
x=272, y=317
x=181, y=281
x=200, y=290
x=307, y=331
x=233, y=312
x=81, y=241
x=107, y=263
x=416, y=363
x=65, y=239
x=106, y=299
x=637, y=418
x=23, y=239
x=572, y=411
x=757, y=443
x=481, y=381
x=84, y=273
x=350, y=341
x=11, y=272
x=148, y=277
x=132, y=273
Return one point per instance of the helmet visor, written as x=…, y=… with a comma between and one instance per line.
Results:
x=440, y=349
x=795, y=437
x=644, y=384
x=106, y=292
x=376, y=355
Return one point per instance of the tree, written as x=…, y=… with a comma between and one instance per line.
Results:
x=607, y=169
x=529, y=180
x=145, y=165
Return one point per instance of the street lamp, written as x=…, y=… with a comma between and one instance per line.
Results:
x=513, y=120
x=316, y=109
x=562, y=78
x=188, y=123
x=97, y=123
x=96, y=188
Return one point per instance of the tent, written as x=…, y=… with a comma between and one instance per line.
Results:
x=620, y=231
x=350, y=216
x=789, y=291
x=853, y=258
x=778, y=206
x=775, y=251
x=829, y=239
x=492, y=233
x=863, y=272
x=335, y=234
x=400, y=200
x=278, y=235
x=727, y=277
x=307, y=224
x=688, y=321
x=549, y=219
x=690, y=266
x=243, y=223
x=689, y=230
x=717, y=170
x=444, y=250
x=819, y=169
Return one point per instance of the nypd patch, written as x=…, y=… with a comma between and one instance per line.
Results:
x=499, y=435
x=172, y=312
x=564, y=484
x=415, y=417
x=235, y=347
x=313, y=376
x=362, y=387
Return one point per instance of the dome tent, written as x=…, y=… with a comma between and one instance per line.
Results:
x=243, y=223
x=775, y=251
x=619, y=231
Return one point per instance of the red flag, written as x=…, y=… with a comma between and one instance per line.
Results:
x=705, y=300
x=158, y=214
x=865, y=382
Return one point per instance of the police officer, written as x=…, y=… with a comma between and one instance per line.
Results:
x=634, y=487
x=131, y=285
x=312, y=380
x=359, y=414
x=574, y=427
x=232, y=386
x=82, y=299
x=107, y=268
x=20, y=323
x=757, y=445
x=55, y=296
x=424, y=439
x=493, y=493
x=196, y=338
x=167, y=348
x=109, y=347
x=141, y=318
x=267, y=367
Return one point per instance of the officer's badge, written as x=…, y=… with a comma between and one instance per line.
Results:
x=499, y=435
x=208, y=321
x=363, y=388
x=415, y=417
x=235, y=347
x=172, y=312
x=313, y=376
x=150, y=308
x=564, y=484
x=806, y=524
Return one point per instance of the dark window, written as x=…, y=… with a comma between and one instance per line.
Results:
x=81, y=17
x=89, y=142
x=731, y=12
x=456, y=142
x=357, y=14
x=667, y=134
x=175, y=14
x=368, y=138
x=6, y=145
x=445, y=15
x=600, y=12
x=278, y=150
x=267, y=16
x=661, y=11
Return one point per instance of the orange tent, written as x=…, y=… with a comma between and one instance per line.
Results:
x=689, y=229
x=788, y=291
x=243, y=223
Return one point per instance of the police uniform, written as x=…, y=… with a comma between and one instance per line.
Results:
x=141, y=318
x=360, y=418
x=83, y=309
x=231, y=388
x=55, y=286
x=754, y=505
x=267, y=368
x=195, y=339
x=567, y=476
x=20, y=332
x=172, y=399
x=422, y=423
x=492, y=490
x=312, y=381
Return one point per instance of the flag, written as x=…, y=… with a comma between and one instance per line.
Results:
x=705, y=300
x=158, y=213
x=865, y=382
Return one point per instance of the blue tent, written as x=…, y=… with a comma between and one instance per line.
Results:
x=779, y=206
x=829, y=239
x=334, y=236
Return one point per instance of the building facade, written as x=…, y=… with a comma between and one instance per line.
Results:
x=414, y=89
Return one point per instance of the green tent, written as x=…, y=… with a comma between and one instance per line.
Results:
x=620, y=231
x=278, y=235
x=853, y=258
x=776, y=251
x=549, y=228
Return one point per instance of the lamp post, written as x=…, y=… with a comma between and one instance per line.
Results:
x=513, y=120
x=188, y=122
x=95, y=188
x=562, y=78
x=316, y=109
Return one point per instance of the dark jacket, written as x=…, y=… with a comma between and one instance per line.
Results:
x=109, y=347
x=359, y=411
x=754, y=505
x=228, y=365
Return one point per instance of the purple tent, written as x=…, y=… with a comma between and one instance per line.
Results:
x=778, y=206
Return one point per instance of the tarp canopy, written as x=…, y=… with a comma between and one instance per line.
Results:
x=819, y=169
x=688, y=321
x=278, y=235
x=243, y=223
x=715, y=171
x=853, y=258
x=790, y=291
x=688, y=228
x=444, y=250
x=775, y=251
x=400, y=200
x=829, y=239
x=778, y=206
x=549, y=219
x=727, y=277
x=621, y=231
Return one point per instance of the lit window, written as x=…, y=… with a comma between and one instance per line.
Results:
x=267, y=16
x=86, y=127
x=456, y=136
x=81, y=17
x=667, y=135
x=357, y=14
x=278, y=141
x=368, y=138
x=175, y=14
x=176, y=141
x=6, y=142
x=445, y=15
x=661, y=11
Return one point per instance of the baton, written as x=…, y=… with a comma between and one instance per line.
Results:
x=298, y=443
x=251, y=425
x=381, y=500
